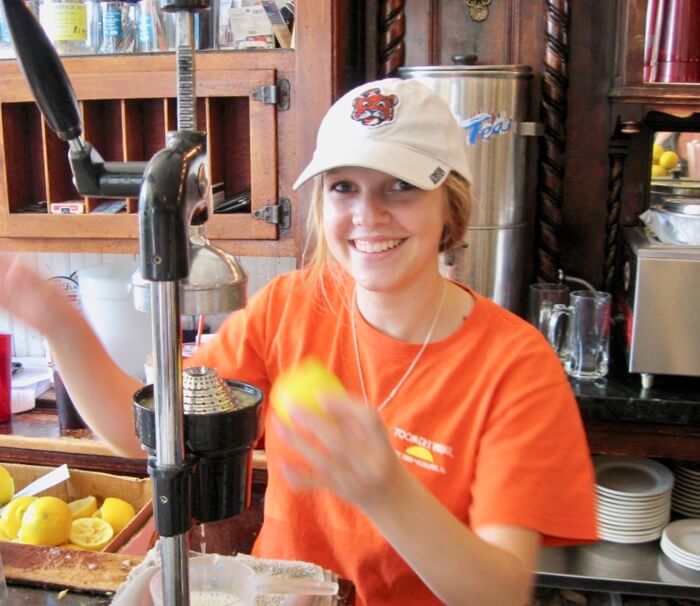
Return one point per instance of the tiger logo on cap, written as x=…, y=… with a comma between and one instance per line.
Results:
x=372, y=108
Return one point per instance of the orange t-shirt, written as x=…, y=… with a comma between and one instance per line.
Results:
x=486, y=420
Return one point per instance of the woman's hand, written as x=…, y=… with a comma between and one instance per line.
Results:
x=345, y=450
x=29, y=297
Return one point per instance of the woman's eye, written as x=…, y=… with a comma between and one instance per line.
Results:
x=341, y=187
x=400, y=185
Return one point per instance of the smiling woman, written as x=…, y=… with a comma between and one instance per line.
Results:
x=455, y=440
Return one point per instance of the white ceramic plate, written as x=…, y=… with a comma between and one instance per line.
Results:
x=638, y=476
x=628, y=537
x=684, y=536
x=679, y=558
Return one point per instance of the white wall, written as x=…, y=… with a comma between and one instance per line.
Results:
x=26, y=342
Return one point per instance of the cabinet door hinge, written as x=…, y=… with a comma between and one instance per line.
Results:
x=274, y=94
x=277, y=214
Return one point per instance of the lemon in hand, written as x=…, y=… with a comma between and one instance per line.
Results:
x=90, y=533
x=12, y=514
x=83, y=508
x=116, y=512
x=7, y=486
x=301, y=386
x=47, y=521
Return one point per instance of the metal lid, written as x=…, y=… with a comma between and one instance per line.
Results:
x=477, y=71
x=205, y=393
x=682, y=206
x=677, y=187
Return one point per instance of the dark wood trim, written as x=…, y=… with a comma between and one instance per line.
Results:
x=553, y=108
x=391, y=33
x=434, y=44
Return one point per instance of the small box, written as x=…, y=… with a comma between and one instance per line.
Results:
x=74, y=207
x=136, y=491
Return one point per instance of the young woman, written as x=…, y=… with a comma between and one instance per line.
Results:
x=459, y=450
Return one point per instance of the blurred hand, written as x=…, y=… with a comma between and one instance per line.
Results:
x=346, y=450
x=27, y=296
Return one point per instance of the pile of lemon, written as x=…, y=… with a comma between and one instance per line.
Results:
x=662, y=161
x=52, y=521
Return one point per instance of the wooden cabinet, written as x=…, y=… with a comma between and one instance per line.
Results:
x=128, y=106
x=639, y=109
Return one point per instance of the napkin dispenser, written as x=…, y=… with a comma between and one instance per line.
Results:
x=660, y=301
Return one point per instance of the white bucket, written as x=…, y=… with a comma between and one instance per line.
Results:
x=106, y=301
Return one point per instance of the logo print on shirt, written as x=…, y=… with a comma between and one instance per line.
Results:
x=422, y=451
x=372, y=108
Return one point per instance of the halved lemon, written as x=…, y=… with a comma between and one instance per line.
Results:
x=116, y=512
x=83, y=508
x=90, y=533
x=12, y=513
x=47, y=521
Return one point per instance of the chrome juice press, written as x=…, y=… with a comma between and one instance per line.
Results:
x=173, y=191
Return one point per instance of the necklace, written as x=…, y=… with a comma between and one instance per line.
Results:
x=413, y=363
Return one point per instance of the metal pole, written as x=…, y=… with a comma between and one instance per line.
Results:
x=170, y=442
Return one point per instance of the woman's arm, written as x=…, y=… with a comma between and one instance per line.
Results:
x=101, y=391
x=350, y=453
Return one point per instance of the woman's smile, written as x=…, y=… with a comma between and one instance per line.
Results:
x=376, y=246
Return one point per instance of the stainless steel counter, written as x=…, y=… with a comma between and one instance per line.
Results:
x=641, y=569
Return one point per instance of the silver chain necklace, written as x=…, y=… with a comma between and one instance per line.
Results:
x=413, y=363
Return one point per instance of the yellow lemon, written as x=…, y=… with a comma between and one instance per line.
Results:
x=301, y=386
x=116, y=512
x=47, y=521
x=7, y=486
x=11, y=518
x=83, y=508
x=669, y=160
x=90, y=533
x=656, y=152
x=658, y=171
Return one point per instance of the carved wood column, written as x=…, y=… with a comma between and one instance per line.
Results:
x=391, y=32
x=619, y=147
x=553, y=110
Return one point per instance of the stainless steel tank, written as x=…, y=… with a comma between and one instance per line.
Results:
x=491, y=104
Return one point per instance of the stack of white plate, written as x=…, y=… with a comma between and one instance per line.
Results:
x=633, y=495
x=681, y=542
x=686, y=490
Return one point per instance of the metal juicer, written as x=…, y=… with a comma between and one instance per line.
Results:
x=192, y=447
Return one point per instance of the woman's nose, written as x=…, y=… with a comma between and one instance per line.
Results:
x=369, y=210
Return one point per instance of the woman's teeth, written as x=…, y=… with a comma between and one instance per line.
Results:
x=375, y=247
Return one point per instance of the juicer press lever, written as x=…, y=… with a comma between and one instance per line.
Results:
x=54, y=95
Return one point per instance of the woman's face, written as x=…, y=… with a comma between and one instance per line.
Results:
x=383, y=231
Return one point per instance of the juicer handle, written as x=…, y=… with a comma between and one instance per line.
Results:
x=43, y=71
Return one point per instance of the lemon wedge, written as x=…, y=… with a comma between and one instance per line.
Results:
x=90, y=533
x=83, y=508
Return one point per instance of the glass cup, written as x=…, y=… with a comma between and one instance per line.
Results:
x=542, y=298
x=585, y=336
x=68, y=415
x=5, y=376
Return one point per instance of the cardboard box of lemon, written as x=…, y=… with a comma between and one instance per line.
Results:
x=91, y=511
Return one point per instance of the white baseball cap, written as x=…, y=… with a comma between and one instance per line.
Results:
x=400, y=127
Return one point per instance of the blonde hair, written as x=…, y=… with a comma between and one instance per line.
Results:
x=459, y=202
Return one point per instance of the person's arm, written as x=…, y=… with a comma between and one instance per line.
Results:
x=101, y=391
x=493, y=565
